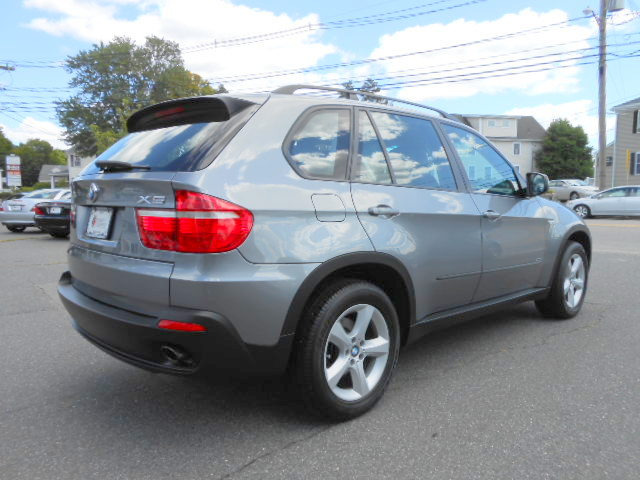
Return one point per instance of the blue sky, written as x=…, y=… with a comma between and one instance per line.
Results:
x=546, y=41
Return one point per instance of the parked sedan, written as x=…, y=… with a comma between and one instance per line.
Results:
x=623, y=201
x=54, y=217
x=17, y=213
x=571, y=189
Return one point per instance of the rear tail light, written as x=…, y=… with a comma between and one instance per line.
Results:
x=72, y=215
x=199, y=224
x=38, y=210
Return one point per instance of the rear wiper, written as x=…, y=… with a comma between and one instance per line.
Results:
x=119, y=166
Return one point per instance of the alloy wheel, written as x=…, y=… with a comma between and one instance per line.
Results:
x=582, y=211
x=356, y=352
x=573, y=285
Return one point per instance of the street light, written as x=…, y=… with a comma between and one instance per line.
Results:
x=606, y=6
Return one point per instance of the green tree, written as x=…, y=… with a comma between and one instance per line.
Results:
x=115, y=79
x=369, y=85
x=564, y=152
x=6, y=146
x=33, y=154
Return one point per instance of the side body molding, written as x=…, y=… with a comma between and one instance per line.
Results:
x=326, y=269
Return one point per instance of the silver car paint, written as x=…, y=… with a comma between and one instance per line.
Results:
x=299, y=224
x=25, y=215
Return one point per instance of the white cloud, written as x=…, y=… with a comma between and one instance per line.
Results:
x=192, y=23
x=437, y=35
x=582, y=113
x=31, y=128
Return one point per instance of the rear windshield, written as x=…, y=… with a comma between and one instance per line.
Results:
x=182, y=148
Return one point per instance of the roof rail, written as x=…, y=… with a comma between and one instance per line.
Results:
x=353, y=95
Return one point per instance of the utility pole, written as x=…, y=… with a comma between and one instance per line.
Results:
x=606, y=6
x=602, y=97
x=8, y=68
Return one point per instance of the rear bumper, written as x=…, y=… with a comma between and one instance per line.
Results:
x=136, y=339
x=53, y=224
x=16, y=218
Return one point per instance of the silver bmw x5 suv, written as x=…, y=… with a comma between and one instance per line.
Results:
x=307, y=234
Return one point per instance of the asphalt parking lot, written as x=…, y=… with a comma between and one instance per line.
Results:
x=511, y=396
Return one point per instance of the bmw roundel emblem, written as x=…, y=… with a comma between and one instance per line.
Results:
x=93, y=192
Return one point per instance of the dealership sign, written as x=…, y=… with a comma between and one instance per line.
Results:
x=14, y=176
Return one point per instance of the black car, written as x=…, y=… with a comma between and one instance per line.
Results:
x=54, y=217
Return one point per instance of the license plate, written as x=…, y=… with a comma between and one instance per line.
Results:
x=99, y=222
x=15, y=208
x=55, y=210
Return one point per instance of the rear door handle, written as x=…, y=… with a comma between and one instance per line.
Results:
x=491, y=215
x=383, y=211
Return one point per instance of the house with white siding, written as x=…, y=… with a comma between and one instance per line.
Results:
x=623, y=154
x=518, y=137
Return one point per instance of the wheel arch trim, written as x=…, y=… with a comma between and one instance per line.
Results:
x=326, y=269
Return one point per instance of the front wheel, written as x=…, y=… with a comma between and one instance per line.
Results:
x=59, y=234
x=569, y=285
x=347, y=349
x=574, y=196
x=582, y=211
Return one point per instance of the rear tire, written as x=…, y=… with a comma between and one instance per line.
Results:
x=574, y=196
x=569, y=285
x=59, y=234
x=346, y=350
x=15, y=228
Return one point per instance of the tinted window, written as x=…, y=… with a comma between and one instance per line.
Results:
x=618, y=192
x=180, y=148
x=477, y=156
x=320, y=146
x=415, y=151
x=46, y=194
x=371, y=164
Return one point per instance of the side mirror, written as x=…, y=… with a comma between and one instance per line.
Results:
x=537, y=184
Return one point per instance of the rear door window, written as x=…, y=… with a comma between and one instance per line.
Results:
x=319, y=146
x=371, y=164
x=415, y=152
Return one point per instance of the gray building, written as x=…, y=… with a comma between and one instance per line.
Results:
x=53, y=174
x=517, y=137
x=623, y=154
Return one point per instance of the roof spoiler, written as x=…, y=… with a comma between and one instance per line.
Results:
x=185, y=111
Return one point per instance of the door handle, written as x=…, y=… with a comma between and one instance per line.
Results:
x=383, y=211
x=491, y=215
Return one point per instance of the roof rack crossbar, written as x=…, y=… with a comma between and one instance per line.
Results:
x=353, y=95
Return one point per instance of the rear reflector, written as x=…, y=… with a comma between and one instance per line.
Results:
x=181, y=326
x=199, y=224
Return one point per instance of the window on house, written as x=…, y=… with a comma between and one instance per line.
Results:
x=609, y=161
x=516, y=149
x=492, y=123
x=472, y=172
x=506, y=123
x=636, y=121
x=634, y=164
x=487, y=173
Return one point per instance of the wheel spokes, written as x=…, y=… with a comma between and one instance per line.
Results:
x=338, y=370
x=359, y=379
x=339, y=337
x=363, y=319
x=576, y=265
x=376, y=347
